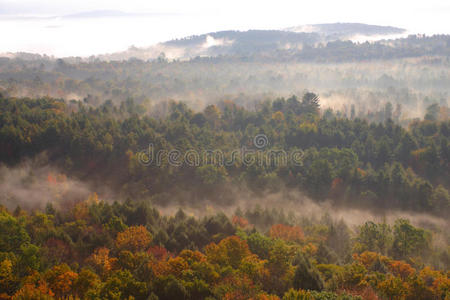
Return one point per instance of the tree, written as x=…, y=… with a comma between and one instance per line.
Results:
x=287, y=233
x=306, y=276
x=384, y=153
x=280, y=268
x=388, y=109
x=310, y=103
x=401, y=269
x=29, y=259
x=86, y=281
x=339, y=238
x=404, y=149
x=211, y=175
x=440, y=200
x=393, y=288
x=293, y=105
x=168, y=288
x=212, y=114
x=278, y=116
x=229, y=252
x=31, y=291
x=101, y=261
x=199, y=119
x=432, y=112
x=8, y=280
x=122, y=285
x=375, y=237
x=319, y=178
x=260, y=244
x=61, y=280
x=134, y=238
x=408, y=240
x=12, y=234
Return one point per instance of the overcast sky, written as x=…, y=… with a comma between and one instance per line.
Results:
x=60, y=27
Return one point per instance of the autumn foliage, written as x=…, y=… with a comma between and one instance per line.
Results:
x=287, y=233
x=107, y=256
x=240, y=221
x=135, y=238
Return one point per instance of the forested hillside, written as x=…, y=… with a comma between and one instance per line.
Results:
x=350, y=161
x=66, y=245
x=96, y=250
x=204, y=150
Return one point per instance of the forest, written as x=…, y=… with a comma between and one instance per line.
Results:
x=349, y=160
x=114, y=239
x=410, y=73
x=96, y=250
x=238, y=150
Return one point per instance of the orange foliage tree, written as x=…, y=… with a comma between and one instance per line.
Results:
x=437, y=283
x=237, y=288
x=158, y=252
x=287, y=233
x=30, y=291
x=61, y=280
x=401, y=269
x=240, y=221
x=135, y=238
x=34, y=287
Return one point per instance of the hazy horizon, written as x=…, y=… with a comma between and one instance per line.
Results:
x=73, y=28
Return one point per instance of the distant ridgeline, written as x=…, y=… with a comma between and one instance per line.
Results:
x=277, y=45
x=346, y=160
x=283, y=45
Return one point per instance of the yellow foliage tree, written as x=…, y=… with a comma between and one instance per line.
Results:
x=230, y=251
x=101, y=261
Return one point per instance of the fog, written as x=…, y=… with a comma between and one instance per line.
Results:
x=33, y=184
x=291, y=201
x=63, y=37
x=413, y=83
x=73, y=28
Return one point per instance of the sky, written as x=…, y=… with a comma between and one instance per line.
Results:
x=83, y=28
